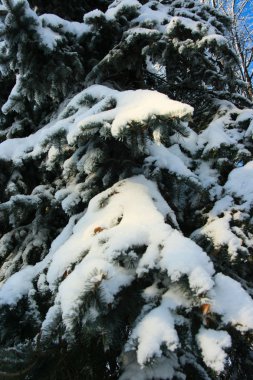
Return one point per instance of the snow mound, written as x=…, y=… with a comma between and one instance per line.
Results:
x=240, y=183
x=232, y=302
x=212, y=344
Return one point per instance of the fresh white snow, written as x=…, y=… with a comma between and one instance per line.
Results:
x=212, y=344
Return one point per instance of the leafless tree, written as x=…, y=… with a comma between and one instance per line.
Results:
x=241, y=15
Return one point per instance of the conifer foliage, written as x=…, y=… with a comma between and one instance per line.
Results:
x=126, y=193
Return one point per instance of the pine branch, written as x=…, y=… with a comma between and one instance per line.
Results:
x=12, y=375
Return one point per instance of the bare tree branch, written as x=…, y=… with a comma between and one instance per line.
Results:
x=240, y=13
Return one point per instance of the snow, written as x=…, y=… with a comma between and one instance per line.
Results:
x=219, y=228
x=181, y=256
x=249, y=132
x=177, y=151
x=214, y=136
x=69, y=196
x=206, y=175
x=134, y=229
x=133, y=32
x=164, y=368
x=20, y=283
x=187, y=23
x=227, y=211
x=221, y=205
x=64, y=26
x=212, y=344
x=155, y=68
x=160, y=320
x=225, y=130
x=117, y=6
x=245, y=115
x=132, y=216
x=92, y=270
x=50, y=28
x=165, y=158
x=128, y=215
x=50, y=318
x=200, y=280
x=158, y=18
x=13, y=94
x=240, y=183
x=174, y=298
x=16, y=286
x=220, y=233
x=96, y=13
x=232, y=302
x=217, y=38
x=161, y=323
x=49, y=37
x=15, y=149
x=97, y=252
x=189, y=143
x=131, y=106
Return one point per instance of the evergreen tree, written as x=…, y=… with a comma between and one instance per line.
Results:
x=126, y=193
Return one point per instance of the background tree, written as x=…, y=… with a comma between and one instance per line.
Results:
x=240, y=12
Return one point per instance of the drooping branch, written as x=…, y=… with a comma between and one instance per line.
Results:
x=13, y=375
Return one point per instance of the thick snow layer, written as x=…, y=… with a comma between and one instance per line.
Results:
x=212, y=344
x=16, y=286
x=240, y=183
x=129, y=215
x=161, y=323
x=181, y=256
x=200, y=280
x=125, y=217
x=126, y=220
x=15, y=149
x=118, y=221
x=232, y=302
x=215, y=135
x=48, y=37
x=131, y=107
x=134, y=107
x=165, y=158
x=64, y=26
x=221, y=234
